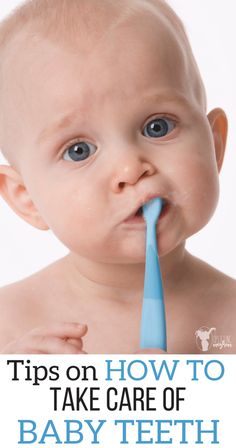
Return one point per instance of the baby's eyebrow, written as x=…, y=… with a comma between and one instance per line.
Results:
x=167, y=98
x=59, y=124
x=161, y=98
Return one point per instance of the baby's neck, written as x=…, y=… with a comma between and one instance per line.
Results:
x=124, y=281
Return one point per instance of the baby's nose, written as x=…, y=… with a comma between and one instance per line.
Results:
x=129, y=169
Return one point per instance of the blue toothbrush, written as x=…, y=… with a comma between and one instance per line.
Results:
x=153, y=323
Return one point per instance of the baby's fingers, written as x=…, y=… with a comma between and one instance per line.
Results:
x=54, y=345
x=64, y=330
x=57, y=338
x=78, y=343
x=60, y=338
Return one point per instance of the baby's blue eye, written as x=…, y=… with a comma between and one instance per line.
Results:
x=79, y=151
x=159, y=127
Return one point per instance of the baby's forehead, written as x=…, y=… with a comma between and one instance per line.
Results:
x=104, y=35
x=133, y=48
x=84, y=23
x=95, y=25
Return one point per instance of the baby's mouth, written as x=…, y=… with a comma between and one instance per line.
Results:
x=139, y=212
x=165, y=209
x=137, y=216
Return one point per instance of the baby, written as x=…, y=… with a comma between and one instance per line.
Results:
x=102, y=108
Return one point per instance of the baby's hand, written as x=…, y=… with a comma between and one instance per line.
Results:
x=58, y=338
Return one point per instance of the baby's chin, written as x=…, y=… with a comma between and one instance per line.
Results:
x=126, y=257
x=132, y=253
x=135, y=249
x=129, y=249
x=123, y=252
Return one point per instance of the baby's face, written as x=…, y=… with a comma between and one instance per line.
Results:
x=103, y=131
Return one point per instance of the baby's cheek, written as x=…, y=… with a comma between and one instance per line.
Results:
x=78, y=226
x=201, y=189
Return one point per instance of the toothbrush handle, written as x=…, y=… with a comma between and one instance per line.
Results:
x=153, y=323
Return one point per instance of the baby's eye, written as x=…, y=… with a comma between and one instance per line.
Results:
x=79, y=151
x=158, y=127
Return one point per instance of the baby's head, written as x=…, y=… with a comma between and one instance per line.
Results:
x=101, y=108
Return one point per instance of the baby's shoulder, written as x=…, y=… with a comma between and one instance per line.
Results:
x=27, y=290
x=21, y=293
x=24, y=303
x=213, y=295
x=13, y=298
x=224, y=289
x=220, y=308
x=211, y=282
x=229, y=288
x=225, y=298
x=15, y=305
x=223, y=311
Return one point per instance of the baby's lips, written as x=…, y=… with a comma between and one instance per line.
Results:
x=137, y=211
x=165, y=203
x=165, y=208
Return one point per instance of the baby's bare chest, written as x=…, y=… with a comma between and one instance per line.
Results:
x=194, y=324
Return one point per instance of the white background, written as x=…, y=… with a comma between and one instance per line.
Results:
x=211, y=27
x=204, y=399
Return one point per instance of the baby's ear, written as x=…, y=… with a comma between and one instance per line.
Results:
x=219, y=126
x=14, y=192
